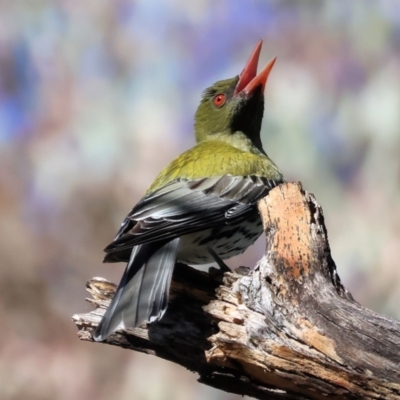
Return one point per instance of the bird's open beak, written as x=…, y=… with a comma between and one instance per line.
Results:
x=248, y=79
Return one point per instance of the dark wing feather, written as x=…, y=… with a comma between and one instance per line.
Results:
x=184, y=207
x=142, y=295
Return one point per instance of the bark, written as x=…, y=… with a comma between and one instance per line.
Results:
x=288, y=329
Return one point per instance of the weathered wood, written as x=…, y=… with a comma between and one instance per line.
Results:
x=286, y=330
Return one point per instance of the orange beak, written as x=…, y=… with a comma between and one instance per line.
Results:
x=248, y=79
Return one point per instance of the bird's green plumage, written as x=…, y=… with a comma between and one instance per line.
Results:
x=210, y=120
x=216, y=157
x=201, y=208
x=228, y=140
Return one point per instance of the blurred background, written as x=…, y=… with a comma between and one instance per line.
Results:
x=96, y=97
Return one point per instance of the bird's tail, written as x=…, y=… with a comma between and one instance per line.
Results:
x=142, y=294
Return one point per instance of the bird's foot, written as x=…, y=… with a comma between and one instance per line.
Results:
x=222, y=266
x=242, y=270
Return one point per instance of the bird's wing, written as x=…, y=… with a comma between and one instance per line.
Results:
x=184, y=207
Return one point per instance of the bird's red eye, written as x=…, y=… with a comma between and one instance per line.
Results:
x=219, y=100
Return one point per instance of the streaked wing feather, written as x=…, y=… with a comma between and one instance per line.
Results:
x=184, y=207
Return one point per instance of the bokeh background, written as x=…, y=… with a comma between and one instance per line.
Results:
x=97, y=96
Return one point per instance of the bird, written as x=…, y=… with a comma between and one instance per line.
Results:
x=202, y=208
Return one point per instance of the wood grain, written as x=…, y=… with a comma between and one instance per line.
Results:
x=288, y=329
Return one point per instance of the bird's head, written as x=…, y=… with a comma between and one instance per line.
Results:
x=234, y=105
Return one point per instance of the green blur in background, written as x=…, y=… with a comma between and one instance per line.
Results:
x=97, y=97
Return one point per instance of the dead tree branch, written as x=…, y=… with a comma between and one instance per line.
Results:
x=286, y=330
